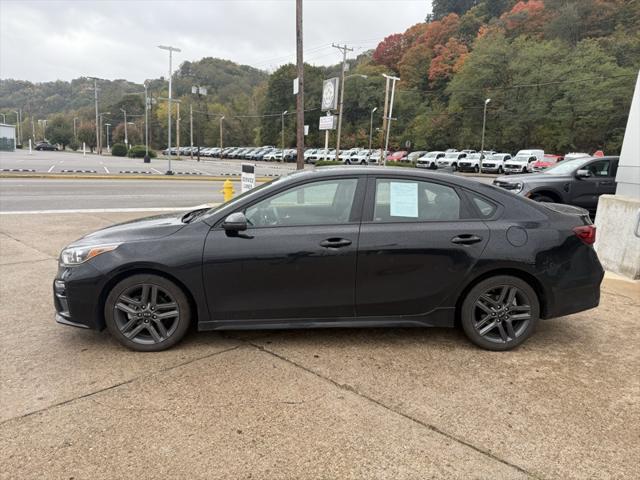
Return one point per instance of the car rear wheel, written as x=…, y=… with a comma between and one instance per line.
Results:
x=147, y=313
x=500, y=313
x=542, y=198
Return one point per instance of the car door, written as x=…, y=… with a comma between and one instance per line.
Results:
x=585, y=191
x=417, y=244
x=296, y=259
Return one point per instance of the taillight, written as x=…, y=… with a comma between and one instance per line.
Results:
x=586, y=233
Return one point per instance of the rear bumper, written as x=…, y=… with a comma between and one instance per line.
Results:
x=582, y=293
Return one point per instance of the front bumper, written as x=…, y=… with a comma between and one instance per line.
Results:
x=76, y=296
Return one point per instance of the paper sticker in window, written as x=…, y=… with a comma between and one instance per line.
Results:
x=403, y=199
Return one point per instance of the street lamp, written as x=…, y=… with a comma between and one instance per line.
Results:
x=170, y=50
x=126, y=137
x=108, y=125
x=147, y=159
x=221, y=144
x=100, y=115
x=339, y=133
x=393, y=91
x=282, y=131
x=484, y=123
x=371, y=128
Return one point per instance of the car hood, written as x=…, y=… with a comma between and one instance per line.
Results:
x=147, y=228
x=531, y=178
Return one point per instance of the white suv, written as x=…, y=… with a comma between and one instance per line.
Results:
x=494, y=163
x=430, y=159
x=451, y=159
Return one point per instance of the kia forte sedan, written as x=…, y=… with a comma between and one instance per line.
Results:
x=337, y=247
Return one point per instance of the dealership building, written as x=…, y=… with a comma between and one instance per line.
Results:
x=7, y=137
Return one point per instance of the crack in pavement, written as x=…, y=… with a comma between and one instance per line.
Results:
x=28, y=261
x=26, y=245
x=429, y=426
x=114, y=386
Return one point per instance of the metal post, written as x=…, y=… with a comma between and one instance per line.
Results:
x=221, y=143
x=191, y=128
x=282, y=133
x=326, y=139
x=384, y=117
x=371, y=128
x=177, y=131
x=393, y=91
x=108, y=125
x=344, y=50
x=95, y=92
x=126, y=136
x=171, y=50
x=146, y=122
x=484, y=122
x=300, y=97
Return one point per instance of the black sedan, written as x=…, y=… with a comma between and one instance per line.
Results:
x=46, y=146
x=337, y=247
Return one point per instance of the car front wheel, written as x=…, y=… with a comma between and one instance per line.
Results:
x=147, y=313
x=500, y=313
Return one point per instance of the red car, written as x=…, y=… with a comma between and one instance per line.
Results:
x=549, y=161
x=399, y=156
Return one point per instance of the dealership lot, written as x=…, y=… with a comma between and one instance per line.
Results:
x=394, y=403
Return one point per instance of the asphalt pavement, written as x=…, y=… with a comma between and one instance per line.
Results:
x=338, y=403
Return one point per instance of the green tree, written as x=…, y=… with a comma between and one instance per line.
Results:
x=59, y=131
x=87, y=134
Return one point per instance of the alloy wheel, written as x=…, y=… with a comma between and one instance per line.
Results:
x=146, y=314
x=502, y=313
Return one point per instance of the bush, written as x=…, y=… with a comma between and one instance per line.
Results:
x=74, y=146
x=119, y=150
x=401, y=164
x=139, y=151
x=324, y=163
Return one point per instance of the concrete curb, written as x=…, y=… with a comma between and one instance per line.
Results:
x=88, y=176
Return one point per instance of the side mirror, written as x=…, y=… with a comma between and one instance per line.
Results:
x=236, y=222
x=583, y=173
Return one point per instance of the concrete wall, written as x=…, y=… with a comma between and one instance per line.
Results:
x=628, y=176
x=618, y=235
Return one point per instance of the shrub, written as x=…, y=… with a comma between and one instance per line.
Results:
x=401, y=164
x=324, y=163
x=74, y=146
x=139, y=151
x=119, y=150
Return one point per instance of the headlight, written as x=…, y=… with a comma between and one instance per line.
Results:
x=518, y=187
x=77, y=255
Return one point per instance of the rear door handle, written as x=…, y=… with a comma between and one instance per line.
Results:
x=335, y=243
x=466, y=239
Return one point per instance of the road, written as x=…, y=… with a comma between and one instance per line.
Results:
x=33, y=194
x=75, y=162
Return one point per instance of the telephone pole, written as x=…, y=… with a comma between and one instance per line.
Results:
x=191, y=128
x=344, y=49
x=300, y=97
x=170, y=49
x=393, y=91
x=383, y=160
x=95, y=96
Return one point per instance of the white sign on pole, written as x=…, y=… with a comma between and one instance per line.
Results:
x=306, y=129
x=248, y=177
x=296, y=86
x=327, y=122
x=330, y=94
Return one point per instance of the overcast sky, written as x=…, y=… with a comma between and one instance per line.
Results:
x=49, y=39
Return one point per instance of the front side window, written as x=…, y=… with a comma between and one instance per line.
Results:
x=414, y=201
x=599, y=168
x=327, y=202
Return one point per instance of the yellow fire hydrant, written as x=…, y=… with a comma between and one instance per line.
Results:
x=227, y=190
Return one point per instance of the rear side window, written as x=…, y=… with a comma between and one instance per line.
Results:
x=399, y=200
x=485, y=207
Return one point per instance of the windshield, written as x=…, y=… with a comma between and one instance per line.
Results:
x=567, y=167
x=521, y=158
x=473, y=156
x=451, y=155
x=495, y=157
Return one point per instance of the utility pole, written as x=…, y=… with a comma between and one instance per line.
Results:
x=393, y=91
x=221, y=143
x=171, y=50
x=95, y=96
x=107, y=125
x=484, y=122
x=100, y=116
x=18, y=142
x=300, y=97
x=371, y=128
x=75, y=130
x=344, y=49
x=177, y=131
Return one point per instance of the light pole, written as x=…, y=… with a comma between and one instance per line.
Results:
x=100, y=118
x=18, y=141
x=393, y=91
x=282, y=133
x=170, y=50
x=126, y=137
x=344, y=49
x=484, y=123
x=221, y=143
x=107, y=125
x=147, y=159
x=371, y=129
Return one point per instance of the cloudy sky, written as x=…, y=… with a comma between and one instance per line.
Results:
x=49, y=39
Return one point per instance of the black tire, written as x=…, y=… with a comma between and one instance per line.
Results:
x=488, y=315
x=454, y=167
x=542, y=198
x=122, y=315
x=347, y=162
x=476, y=169
x=500, y=170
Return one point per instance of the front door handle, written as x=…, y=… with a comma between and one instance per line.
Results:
x=335, y=243
x=466, y=239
